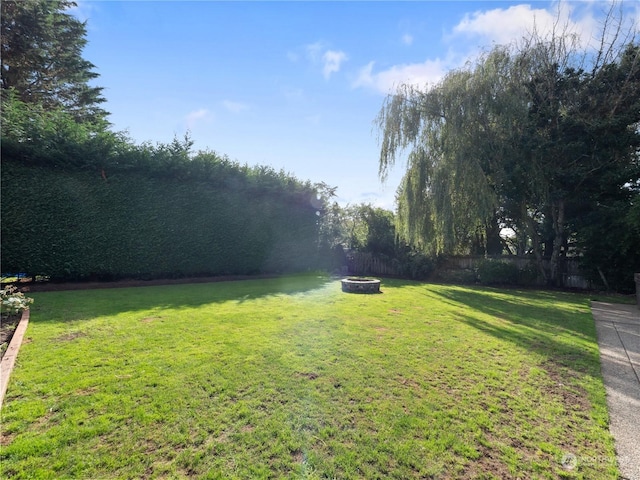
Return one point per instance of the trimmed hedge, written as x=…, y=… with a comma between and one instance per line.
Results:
x=72, y=225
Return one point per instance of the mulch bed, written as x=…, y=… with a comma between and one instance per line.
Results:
x=8, y=325
x=29, y=286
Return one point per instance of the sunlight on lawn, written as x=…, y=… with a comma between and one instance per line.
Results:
x=291, y=378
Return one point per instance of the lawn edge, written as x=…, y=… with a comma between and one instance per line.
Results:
x=9, y=359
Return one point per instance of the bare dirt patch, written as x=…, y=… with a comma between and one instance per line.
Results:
x=6, y=439
x=488, y=465
x=307, y=375
x=150, y=319
x=83, y=392
x=67, y=337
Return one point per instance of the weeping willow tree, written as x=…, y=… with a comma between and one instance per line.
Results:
x=461, y=133
x=514, y=140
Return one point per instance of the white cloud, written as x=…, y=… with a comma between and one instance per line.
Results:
x=235, y=107
x=332, y=60
x=385, y=81
x=503, y=26
x=498, y=26
x=320, y=56
x=197, y=116
x=407, y=39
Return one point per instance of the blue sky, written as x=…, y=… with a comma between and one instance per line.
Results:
x=294, y=85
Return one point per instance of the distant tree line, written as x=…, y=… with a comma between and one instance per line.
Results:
x=366, y=229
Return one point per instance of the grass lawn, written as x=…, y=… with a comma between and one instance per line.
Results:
x=291, y=378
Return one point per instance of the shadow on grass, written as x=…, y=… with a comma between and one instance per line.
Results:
x=73, y=305
x=550, y=324
x=552, y=312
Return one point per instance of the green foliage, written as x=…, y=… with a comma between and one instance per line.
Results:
x=371, y=230
x=487, y=271
x=496, y=272
x=35, y=135
x=416, y=265
x=42, y=61
x=88, y=224
x=381, y=232
x=456, y=276
x=361, y=227
x=609, y=243
x=12, y=301
x=529, y=137
x=82, y=202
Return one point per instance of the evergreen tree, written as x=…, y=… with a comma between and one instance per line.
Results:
x=42, y=59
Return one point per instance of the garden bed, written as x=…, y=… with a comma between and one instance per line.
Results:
x=8, y=325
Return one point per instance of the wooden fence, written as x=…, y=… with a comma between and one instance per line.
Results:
x=572, y=278
x=362, y=263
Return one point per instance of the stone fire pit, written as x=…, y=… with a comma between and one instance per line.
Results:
x=360, y=285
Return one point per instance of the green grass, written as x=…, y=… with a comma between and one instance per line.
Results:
x=291, y=378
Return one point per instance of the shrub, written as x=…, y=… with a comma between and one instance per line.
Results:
x=459, y=277
x=13, y=301
x=528, y=275
x=417, y=265
x=497, y=272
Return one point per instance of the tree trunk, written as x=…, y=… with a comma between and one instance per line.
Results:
x=557, y=213
x=535, y=240
x=494, y=243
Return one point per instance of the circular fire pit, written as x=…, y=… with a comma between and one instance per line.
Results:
x=361, y=285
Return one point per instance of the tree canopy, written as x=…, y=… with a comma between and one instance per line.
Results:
x=532, y=137
x=42, y=59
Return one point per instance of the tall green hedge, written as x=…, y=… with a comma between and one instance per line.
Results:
x=77, y=224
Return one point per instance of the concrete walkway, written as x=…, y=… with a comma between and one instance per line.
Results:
x=618, y=328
